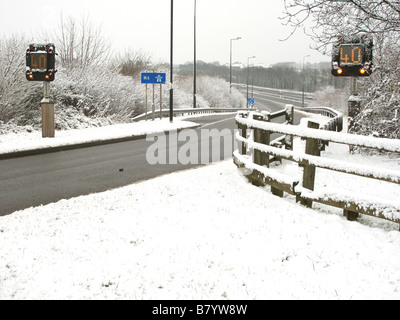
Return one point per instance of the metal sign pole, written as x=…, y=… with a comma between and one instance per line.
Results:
x=171, y=91
x=354, y=103
x=160, y=101
x=153, y=105
x=146, y=102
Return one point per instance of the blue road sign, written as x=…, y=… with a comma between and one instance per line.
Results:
x=154, y=78
x=252, y=101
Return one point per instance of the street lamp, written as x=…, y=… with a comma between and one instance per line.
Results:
x=248, y=62
x=302, y=104
x=171, y=91
x=230, y=65
x=195, y=59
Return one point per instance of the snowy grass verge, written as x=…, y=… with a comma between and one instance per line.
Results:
x=16, y=142
x=198, y=234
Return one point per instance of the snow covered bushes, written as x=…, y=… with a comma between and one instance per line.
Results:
x=332, y=98
x=95, y=93
x=212, y=92
x=92, y=94
x=380, y=115
x=13, y=85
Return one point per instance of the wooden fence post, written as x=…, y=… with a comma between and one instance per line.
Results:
x=290, y=120
x=243, y=132
x=312, y=148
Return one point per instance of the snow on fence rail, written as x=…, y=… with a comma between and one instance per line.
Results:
x=256, y=153
x=181, y=112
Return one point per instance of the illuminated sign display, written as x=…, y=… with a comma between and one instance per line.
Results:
x=352, y=57
x=40, y=62
x=351, y=54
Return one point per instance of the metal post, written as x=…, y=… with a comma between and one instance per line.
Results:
x=171, y=92
x=354, y=103
x=195, y=59
x=46, y=90
x=48, y=123
x=248, y=82
x=230, y=69
x=252, y=86
x=230, y=65
x=160, y=101
x=248, y=64
x=146, y=101
x=302, y=82
x=153, y=106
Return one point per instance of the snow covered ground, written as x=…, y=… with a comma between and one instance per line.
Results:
x=201, y=234
x=29, y=140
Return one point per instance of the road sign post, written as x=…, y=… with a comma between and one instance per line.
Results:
x=353, y=57
x=154, y=78
x=146, y=101
x=40, y=66
x=47, y=104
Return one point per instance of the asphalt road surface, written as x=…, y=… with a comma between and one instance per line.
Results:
x=272, y=99
x=46, y=178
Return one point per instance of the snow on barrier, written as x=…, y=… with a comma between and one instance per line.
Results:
x=164, y=113
x=256, y=154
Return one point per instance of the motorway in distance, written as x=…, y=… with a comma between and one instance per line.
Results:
x=46, y=178
x=273, y=99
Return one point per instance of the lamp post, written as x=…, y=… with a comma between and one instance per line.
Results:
x=248, y=62
x=230, y=64
x=171, y=91
x=195, y=59
x=302, y=103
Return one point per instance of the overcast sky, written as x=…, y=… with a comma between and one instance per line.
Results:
x=145, y=25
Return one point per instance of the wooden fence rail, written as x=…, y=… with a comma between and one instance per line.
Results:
x=256, y=153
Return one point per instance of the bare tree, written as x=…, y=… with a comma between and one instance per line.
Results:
x=12, y=75
x=132, y=63
x=326, y=20
x=80, y=44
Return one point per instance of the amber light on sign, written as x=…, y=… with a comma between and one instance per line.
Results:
x=40, y=62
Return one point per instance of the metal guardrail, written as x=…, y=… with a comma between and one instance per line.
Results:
x=164, y=113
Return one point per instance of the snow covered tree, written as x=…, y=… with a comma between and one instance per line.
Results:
x=380, y=115
x=326, y=20
x=15, y=91
x=81, y=44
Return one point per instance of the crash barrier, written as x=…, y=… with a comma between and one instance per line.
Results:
x=256, y=153
x=164, y=113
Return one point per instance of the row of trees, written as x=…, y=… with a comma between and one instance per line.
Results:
x=287, y=76
x=326, y=20
x=93, y=86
